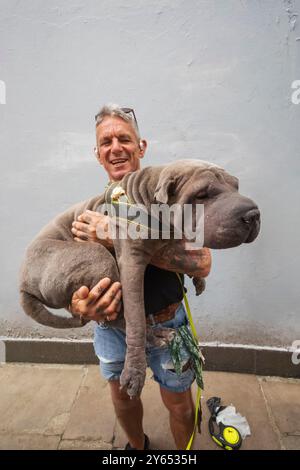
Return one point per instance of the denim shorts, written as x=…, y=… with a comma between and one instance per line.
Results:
x=110, y=348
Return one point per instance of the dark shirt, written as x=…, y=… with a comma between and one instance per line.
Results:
x=161, y=288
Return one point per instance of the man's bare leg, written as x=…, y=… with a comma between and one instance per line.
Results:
x=181, y=414
x=129, y=413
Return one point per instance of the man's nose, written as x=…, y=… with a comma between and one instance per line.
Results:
x=116, y=146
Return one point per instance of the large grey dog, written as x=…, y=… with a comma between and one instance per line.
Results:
x=55, y=265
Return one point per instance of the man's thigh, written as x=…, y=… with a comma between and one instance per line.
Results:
x=161, y=364
x=110, y=348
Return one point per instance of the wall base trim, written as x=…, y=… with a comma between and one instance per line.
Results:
x=244, y=359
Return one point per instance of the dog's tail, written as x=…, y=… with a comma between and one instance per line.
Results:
x=36, y=310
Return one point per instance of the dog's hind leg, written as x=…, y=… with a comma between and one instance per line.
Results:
x=36, y=310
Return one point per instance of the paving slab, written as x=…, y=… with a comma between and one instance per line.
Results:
x=69, y=407
x=244, y=392
x=92, y=416
x=28, y=442
x=283, y=398
x=84, y=445
x=291, y=442
x=37, y=399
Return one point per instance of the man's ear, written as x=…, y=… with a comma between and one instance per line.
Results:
x=97, y=155
x=142, y=147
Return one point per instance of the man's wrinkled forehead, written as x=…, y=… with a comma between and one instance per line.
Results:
x=114, y=126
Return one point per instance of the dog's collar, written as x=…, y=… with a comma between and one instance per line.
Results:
x=116, y=203
x=115, y=193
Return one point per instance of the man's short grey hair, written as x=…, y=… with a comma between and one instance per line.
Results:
x=116, y=110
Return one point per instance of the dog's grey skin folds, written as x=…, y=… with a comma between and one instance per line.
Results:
x=56, y=266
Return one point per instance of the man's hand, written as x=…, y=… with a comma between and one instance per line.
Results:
x=101, y=303
x=93, y=227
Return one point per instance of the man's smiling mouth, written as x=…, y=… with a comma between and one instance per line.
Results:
x=119, y=161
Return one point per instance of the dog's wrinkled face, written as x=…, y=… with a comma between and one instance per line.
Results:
x=229, y=218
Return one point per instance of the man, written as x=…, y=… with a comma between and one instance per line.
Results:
x=119, y=150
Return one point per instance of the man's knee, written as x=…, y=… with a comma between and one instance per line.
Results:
x=182, y=411
x=120, y=397
x=180, y=404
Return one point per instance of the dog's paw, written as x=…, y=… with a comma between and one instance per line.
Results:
x=199, y=283
x=133, y=379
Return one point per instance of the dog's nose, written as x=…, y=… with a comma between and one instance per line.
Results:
x=251, y=216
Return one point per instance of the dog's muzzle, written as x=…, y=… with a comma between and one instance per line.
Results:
x=252, y=219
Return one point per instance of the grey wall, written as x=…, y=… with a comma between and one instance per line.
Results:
x=208, y=79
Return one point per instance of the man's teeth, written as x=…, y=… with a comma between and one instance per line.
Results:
x=115, y=162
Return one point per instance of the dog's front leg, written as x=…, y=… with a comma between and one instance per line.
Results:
x=133, y=257
x=133, y=374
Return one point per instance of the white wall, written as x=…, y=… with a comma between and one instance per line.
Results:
x=208, y=79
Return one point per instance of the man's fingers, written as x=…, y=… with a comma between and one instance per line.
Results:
x=93, y=213
x=80, y=226
x=110, y=299
x=79, y=295
x=115, y=303
x=101, y=285
x=85, y=218
x=89, y=216
x=83, y=292
x=112, y=316
x=98, y=290
x=80, y=234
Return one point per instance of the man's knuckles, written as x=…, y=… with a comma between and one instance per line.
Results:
x=111, y=309
x=102, y=307
x=112, y=316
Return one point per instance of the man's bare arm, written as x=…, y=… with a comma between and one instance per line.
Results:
x=174, y=257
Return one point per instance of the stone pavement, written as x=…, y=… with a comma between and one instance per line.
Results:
x=68, y=407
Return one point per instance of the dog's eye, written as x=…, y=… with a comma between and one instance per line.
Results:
x=213, y=189
x=202, y=194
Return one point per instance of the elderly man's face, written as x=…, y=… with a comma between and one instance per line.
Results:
x=118, y=148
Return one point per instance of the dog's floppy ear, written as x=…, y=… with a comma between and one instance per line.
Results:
x=164, y=188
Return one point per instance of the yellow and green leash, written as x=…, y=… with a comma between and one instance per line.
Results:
x=195, y=336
